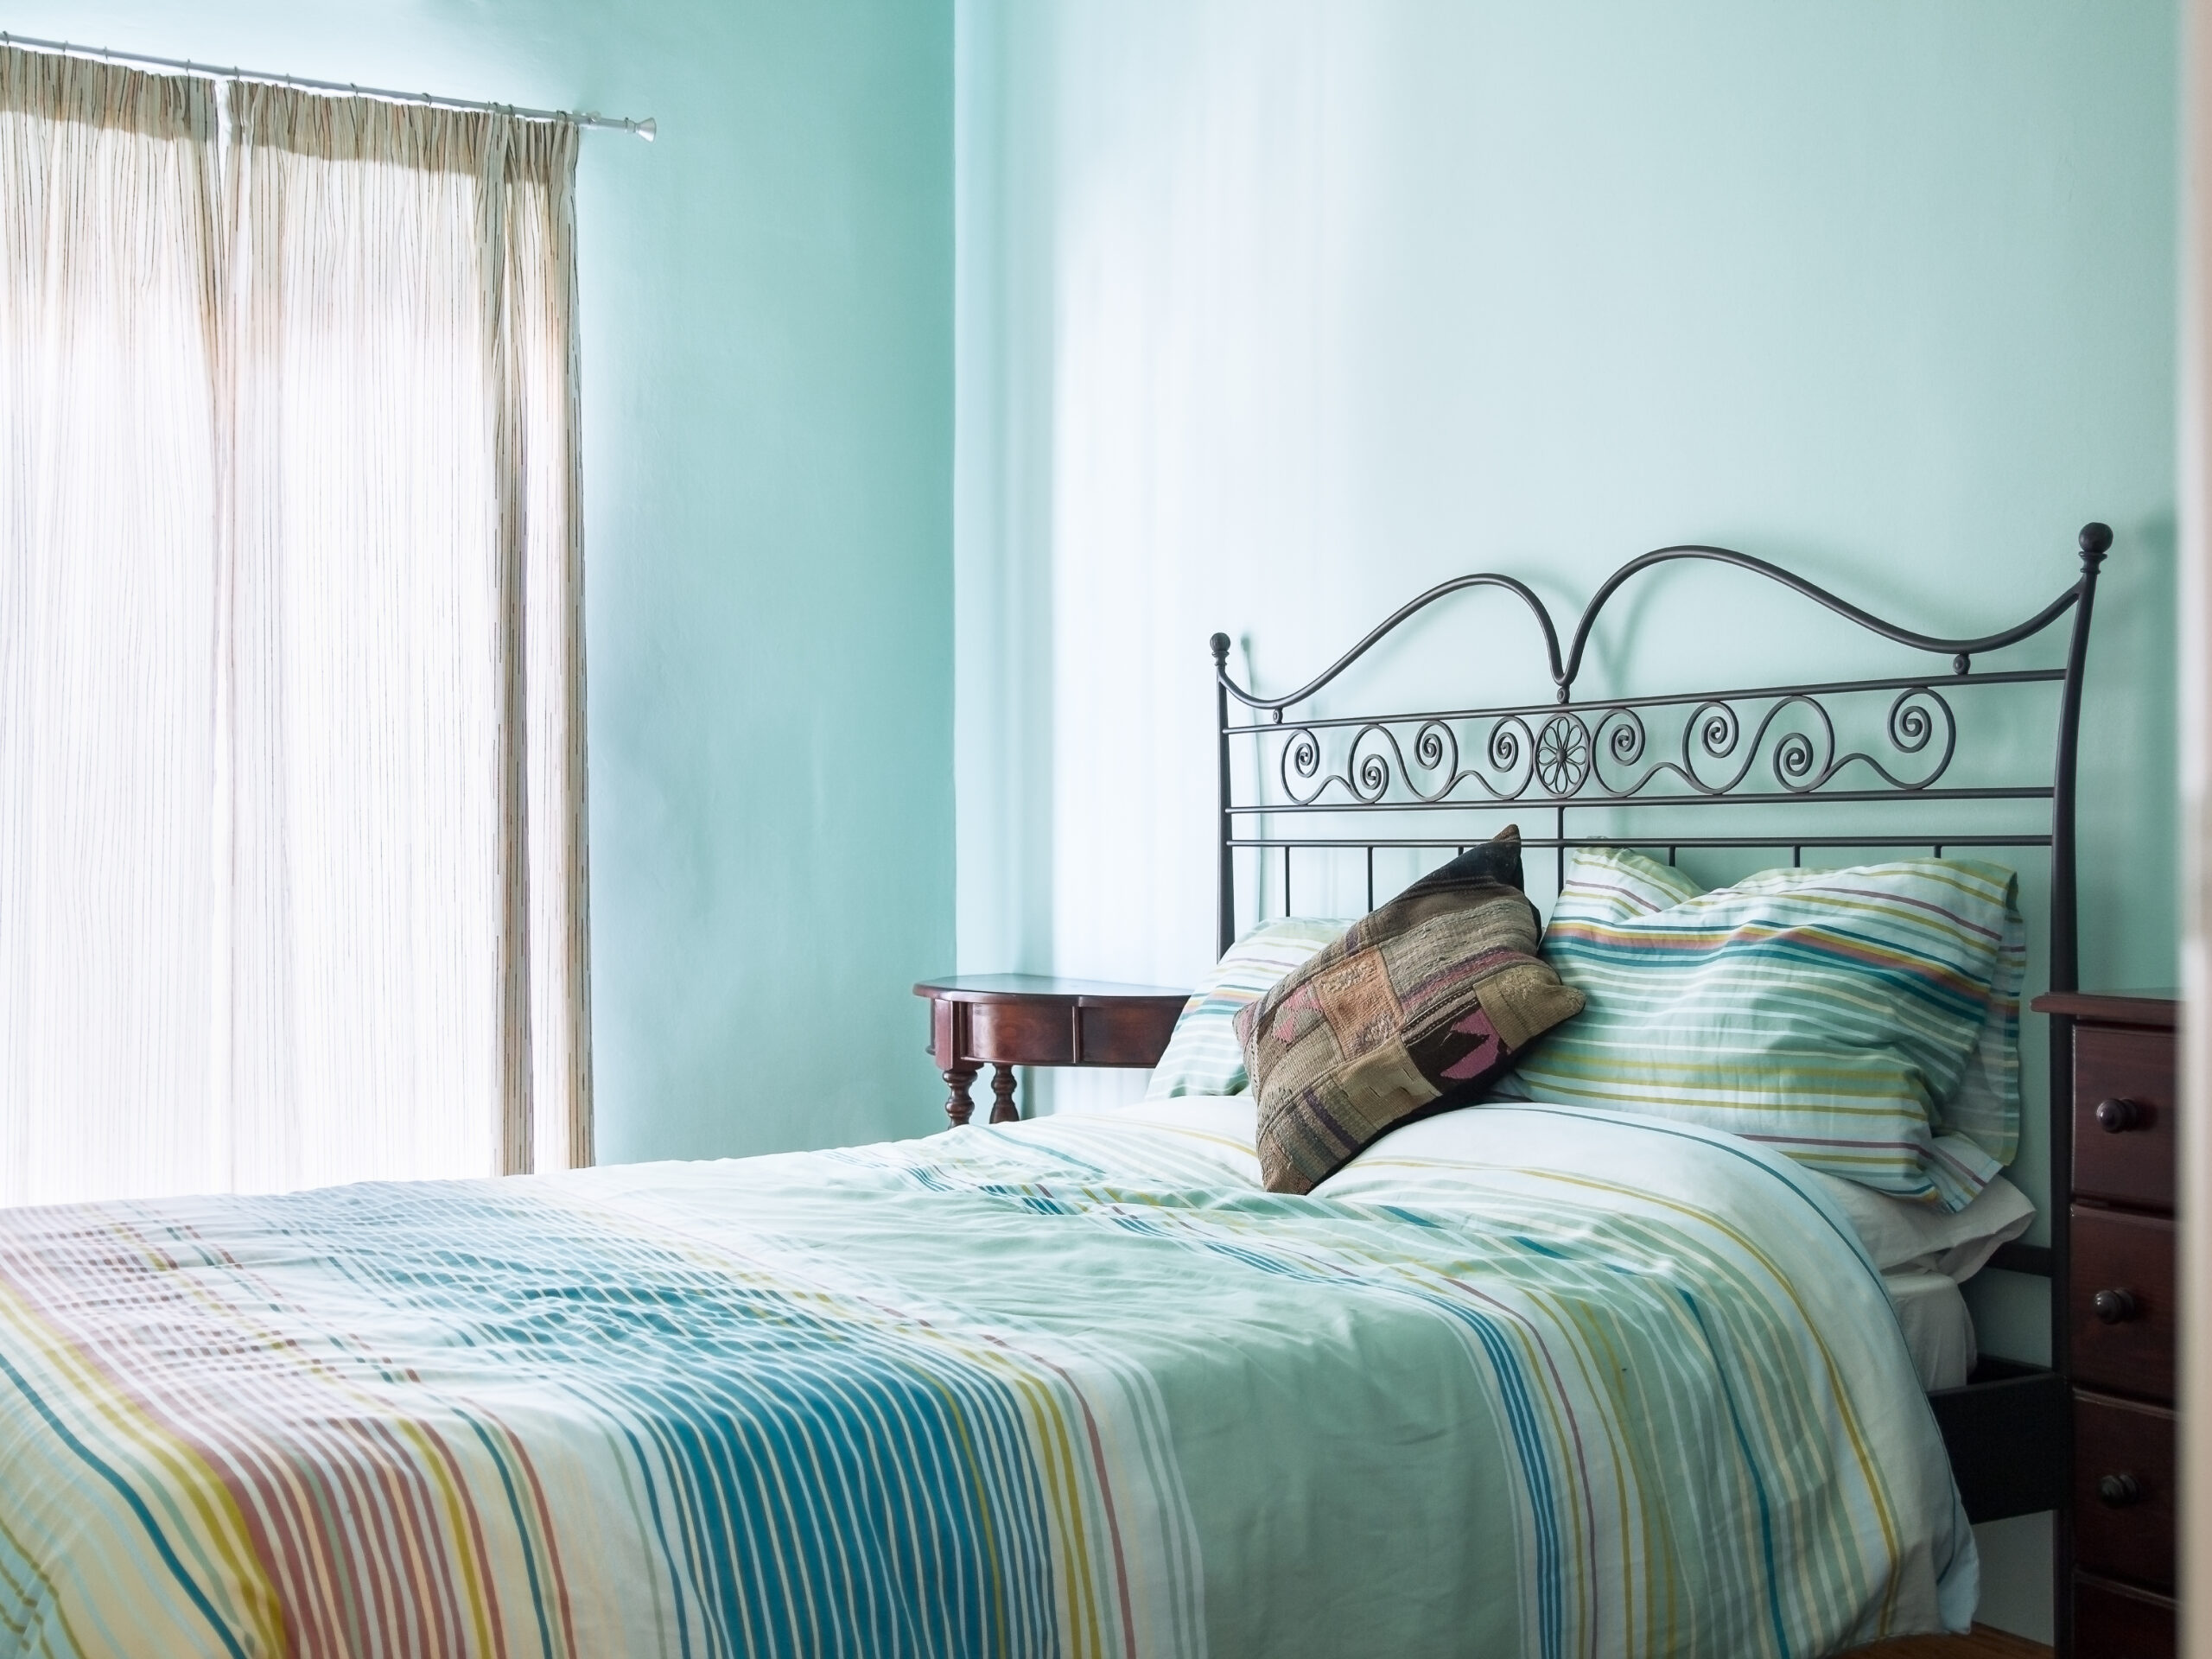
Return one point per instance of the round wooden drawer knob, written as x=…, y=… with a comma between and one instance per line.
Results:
x=2119, y=1490
x=2118, y=1116
x=2113, y=1307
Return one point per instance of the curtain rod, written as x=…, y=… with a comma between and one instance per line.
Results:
x=644, y=128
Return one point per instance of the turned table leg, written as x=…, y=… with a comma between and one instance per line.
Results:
x=958, y=1106
x=1003, y=1109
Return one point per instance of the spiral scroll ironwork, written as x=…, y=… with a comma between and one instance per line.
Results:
x=1302, y=753
x=1510, y=739
x=1784, y=740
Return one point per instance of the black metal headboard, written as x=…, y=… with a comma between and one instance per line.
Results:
x=1416, y=771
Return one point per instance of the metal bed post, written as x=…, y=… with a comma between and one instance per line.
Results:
x=1225, y=926
x=2065, y=972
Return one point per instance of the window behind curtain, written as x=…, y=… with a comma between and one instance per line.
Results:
x=341, y=934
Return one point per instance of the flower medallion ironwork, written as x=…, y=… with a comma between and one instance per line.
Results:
x=1563, y=754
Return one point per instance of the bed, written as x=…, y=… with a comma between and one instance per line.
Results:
x=1522, y=1379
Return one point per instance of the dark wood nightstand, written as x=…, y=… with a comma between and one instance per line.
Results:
x=1003, y=1020
x=2120, y=1332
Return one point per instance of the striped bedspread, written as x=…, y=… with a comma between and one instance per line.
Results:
x=1521, y=1381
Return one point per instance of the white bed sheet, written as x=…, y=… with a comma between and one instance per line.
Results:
x=1938, y=1329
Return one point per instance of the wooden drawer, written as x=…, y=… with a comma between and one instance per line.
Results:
x=1020, y=1034
x=1126, y=1034
x=2116, y=1621
x=2128, y=1156
x=2124, y=1492
x=2131, y=1258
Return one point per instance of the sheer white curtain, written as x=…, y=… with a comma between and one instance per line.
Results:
x=109, y=537
x=406, y=941
x=359, y=910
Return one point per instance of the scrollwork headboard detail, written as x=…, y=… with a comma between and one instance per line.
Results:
x=1778, y=747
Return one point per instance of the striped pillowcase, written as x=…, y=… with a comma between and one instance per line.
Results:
x=1864, y=1022
x=1985, y=1107
x=1203, y=1056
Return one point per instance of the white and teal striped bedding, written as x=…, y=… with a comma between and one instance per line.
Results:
x=1866, y=1021
x=1577, y=1385
x=1203, y=1056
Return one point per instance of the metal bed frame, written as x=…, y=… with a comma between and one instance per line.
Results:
x=1426, y=775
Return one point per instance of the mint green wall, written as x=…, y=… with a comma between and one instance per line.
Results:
x=767, y=375
x=1272, y=313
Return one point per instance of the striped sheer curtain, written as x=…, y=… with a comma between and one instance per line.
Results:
x=403, y=665
x=110, y=535
x=365, y=951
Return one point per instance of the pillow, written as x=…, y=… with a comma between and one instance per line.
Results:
x=1986, y=1106
x=1418, y=1006
x=1824, y=1013
x=1203, y=1056
x=1899, y=1233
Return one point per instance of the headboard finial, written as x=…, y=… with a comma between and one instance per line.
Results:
x=1220, y=643
x=2096, y=542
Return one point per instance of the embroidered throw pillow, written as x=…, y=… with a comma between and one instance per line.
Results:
x=1847, y=1017
x=1415, y=1008
x=1203, y=1056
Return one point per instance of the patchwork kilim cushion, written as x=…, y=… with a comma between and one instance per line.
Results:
x=1418, y=1006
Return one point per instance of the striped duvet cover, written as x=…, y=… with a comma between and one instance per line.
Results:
x=1520, y=1381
